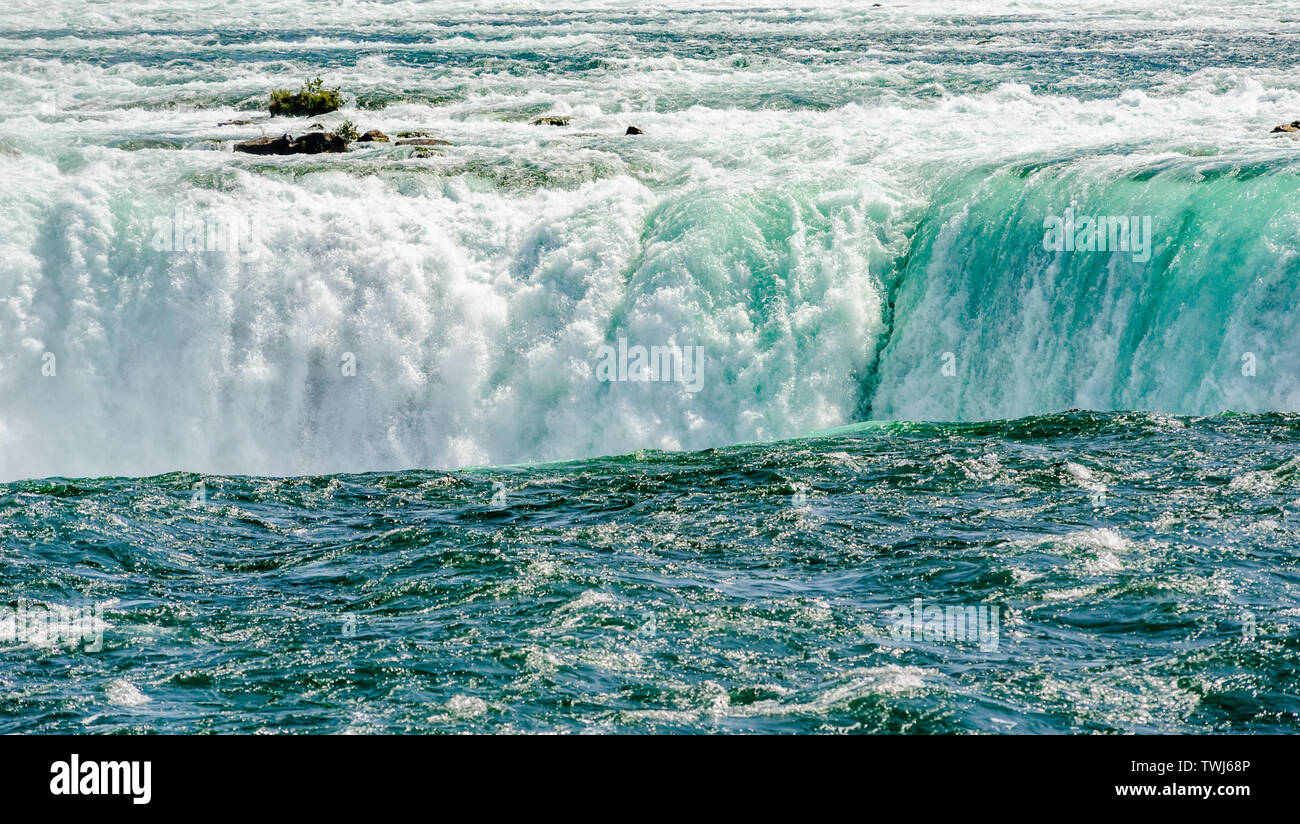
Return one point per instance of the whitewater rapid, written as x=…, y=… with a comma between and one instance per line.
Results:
x=843, y=206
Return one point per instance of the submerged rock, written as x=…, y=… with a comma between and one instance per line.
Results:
x=148, y=143
x=550, y=120
x=423, y=141
x=374, y=135
x=235, y=123
x=310, y=143
x=633, y=130
x=1293, y=126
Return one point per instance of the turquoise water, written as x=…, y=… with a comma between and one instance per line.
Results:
x=254, y=470
x=1143, y=569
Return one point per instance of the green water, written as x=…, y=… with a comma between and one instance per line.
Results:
x=1142, y=570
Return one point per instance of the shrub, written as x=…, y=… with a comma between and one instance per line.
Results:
x=312, y=98
x=347, y=131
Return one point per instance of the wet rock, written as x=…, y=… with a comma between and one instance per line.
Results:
x=318, y=142
x=235, y=123
x=550, y=120
x=1293, y=126
x=633, y=130
x=267, y=145
x=310, y=143
x=423, y=141
x=373, y=136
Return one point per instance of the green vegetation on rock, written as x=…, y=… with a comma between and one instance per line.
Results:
x=313, y=98
x=347, y=131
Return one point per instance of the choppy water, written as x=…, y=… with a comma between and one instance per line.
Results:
x=844, y=205
x=1143, y=568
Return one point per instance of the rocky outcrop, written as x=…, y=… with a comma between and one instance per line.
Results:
x=1293, y=126
x=310, y=143
x=423, y=141
x=148, y=143
x=550, y=120
x=373, y=136
x=633, y=130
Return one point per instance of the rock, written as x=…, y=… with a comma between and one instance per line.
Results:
x=415, y=133
x=633, y=130
x=373, y=136
x=423, y=141
x=318, y=142
x=235, y=123
x=267, y=145
x=1293, y=126
x=315, y=127
x=551, y=120
x=311, y=143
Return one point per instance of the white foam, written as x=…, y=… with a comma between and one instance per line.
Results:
x=125, y=694
x=475, y=286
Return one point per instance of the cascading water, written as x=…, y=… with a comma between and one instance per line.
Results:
x=838, y=254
